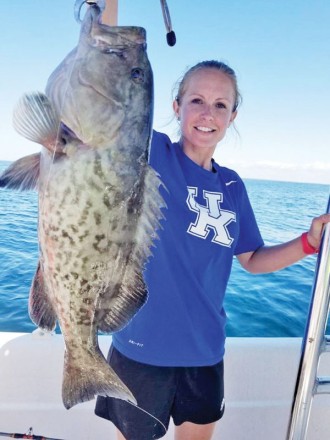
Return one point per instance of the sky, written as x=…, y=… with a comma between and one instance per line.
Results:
x=278, y=48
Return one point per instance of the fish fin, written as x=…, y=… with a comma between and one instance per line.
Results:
x=36, y=119
x=153, y=206
x=87, y=374
x=40, y=308
x=22, y=174
x=122, y=301
x=126, y=300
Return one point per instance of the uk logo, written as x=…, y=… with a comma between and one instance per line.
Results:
x=210, y=217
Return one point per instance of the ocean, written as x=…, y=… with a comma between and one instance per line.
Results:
x=269, y=305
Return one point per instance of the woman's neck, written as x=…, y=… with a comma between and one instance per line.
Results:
x=202, y=157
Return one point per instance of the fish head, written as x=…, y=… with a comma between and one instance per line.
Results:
x=105, y=85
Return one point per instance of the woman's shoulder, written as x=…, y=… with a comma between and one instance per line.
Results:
x=159, y=138
x=161, y=147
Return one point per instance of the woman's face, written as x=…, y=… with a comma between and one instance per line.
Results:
x=205, y=109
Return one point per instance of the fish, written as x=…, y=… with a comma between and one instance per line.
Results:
x=100, y=203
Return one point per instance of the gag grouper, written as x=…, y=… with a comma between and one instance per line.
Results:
x=99, y=200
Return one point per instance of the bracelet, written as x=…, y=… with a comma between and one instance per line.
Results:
x=307, y=247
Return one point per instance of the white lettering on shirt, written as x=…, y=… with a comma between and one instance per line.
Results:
x=210, y=217
x=138, y=344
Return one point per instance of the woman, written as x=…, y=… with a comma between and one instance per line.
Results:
x=171, y=354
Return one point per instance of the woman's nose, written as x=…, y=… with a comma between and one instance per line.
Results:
x=207, y=111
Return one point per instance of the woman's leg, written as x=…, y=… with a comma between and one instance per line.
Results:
x=120, y=435
x=191, y=431
x=199, y=402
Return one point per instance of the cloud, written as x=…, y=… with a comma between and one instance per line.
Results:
x=315, y=172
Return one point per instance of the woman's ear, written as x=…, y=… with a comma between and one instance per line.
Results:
x=232, y=117
x=176, y=109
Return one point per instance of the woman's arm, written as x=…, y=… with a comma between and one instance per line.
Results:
x=271, y=258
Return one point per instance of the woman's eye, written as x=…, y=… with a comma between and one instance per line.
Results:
x=196, y=101
x=220, y=105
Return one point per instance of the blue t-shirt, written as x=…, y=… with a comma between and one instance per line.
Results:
x=208, y=220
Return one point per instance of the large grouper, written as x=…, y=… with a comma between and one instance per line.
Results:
x=99, y=200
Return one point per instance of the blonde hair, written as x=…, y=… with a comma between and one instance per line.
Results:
x=211, y=64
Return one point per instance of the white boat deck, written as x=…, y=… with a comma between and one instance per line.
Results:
x=260, y=375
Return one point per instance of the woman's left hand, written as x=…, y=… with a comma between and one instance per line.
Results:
x=314, y=234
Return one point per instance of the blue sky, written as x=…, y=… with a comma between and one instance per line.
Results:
x=278, y=48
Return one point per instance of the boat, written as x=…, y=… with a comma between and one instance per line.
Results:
x=260, y=375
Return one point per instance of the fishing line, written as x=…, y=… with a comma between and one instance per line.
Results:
x=149, y=414
x=79, y=4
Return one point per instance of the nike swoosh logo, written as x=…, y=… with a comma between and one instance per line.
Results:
x=229, y=183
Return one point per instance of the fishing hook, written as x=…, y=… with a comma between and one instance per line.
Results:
x=79, y=4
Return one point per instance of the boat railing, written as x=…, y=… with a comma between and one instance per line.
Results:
x=314, y=344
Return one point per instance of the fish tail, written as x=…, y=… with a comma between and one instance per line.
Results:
x=88, y=375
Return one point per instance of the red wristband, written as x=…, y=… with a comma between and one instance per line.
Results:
x=307, y=248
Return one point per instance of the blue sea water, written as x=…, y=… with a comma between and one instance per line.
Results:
x=270, y=305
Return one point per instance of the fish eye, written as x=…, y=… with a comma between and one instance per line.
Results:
x=137, y=74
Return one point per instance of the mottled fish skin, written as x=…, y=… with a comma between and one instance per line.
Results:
x=99, y=201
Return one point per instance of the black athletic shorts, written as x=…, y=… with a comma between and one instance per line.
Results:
x=187, y=394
